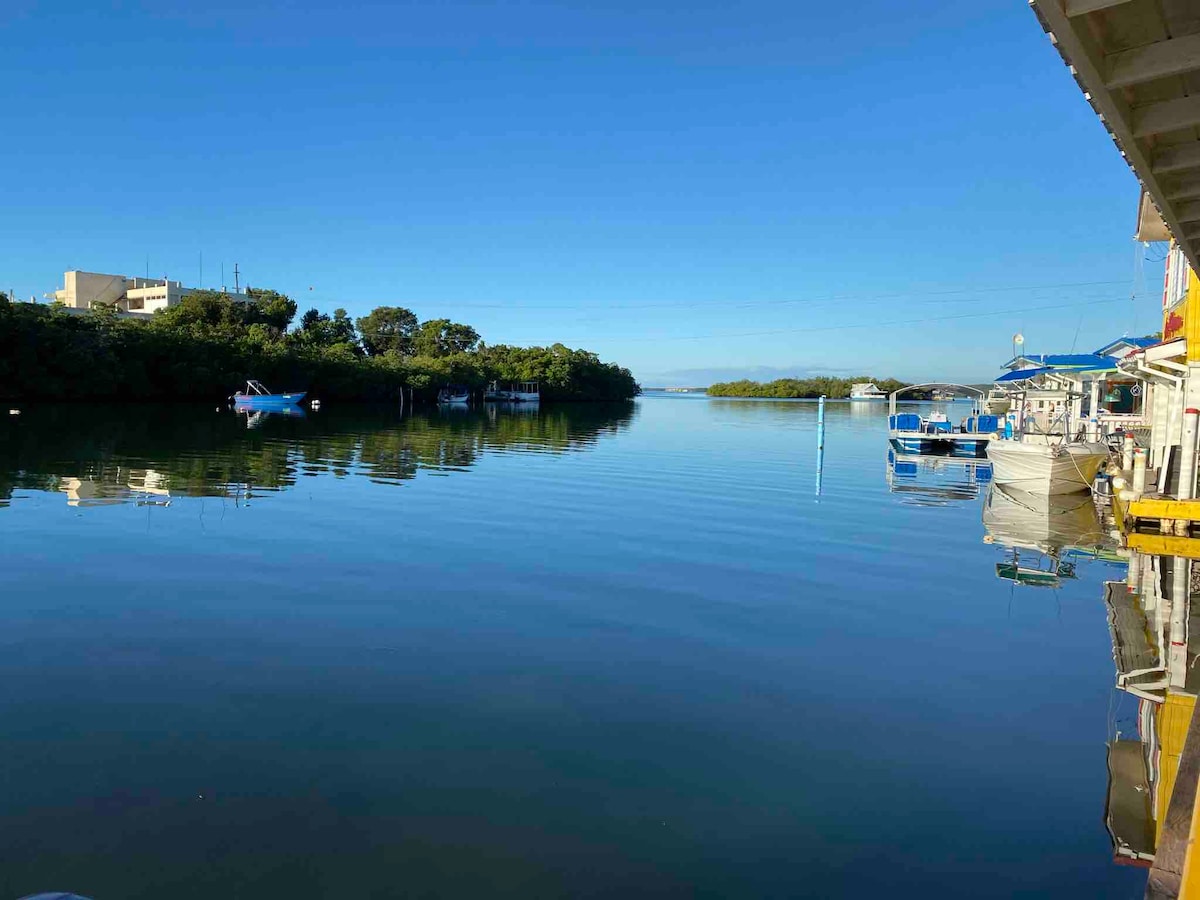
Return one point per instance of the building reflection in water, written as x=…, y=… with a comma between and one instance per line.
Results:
x=1149, y=617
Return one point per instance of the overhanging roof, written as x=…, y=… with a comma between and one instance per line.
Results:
x=1138, y=64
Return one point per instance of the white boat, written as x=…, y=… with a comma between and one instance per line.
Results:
x=525, y=392
x=866, y=390
x=454, y=395
x=1044, y=451
x=997, y=402
x=1046, y=464
x=935, y=433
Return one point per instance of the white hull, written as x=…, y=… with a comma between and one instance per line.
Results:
x=1041, y=468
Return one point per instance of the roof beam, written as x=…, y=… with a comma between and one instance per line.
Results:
x=1158, y=60
x=1182, y=188
x=1083, y=7
x=1078, y=42
x=1188, y=211
x=1166, y=115
x=1191, y=231
x=1175, y=159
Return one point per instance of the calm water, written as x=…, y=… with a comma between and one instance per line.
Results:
x=583, y=652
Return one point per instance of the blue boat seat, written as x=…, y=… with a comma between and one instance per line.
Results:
x=940, y=426
x=905, y=422
x=989, y=424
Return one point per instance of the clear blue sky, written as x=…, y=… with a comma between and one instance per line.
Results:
x=694, y=190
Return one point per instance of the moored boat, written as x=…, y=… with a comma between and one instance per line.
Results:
x=454, y=395
x=997, y=402
x=935, y=433
x=257, y=396
x=866, y=390
x=1040, y=464
x=523, y=392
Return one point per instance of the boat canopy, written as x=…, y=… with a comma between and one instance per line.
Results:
x=956, y=388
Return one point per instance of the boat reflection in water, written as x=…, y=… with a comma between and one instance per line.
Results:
x=925, y=480
x=1149, y=619
x=1045, y=534
x=256, y=418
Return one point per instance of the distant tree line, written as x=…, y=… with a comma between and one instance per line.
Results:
x=206, y=346
x=800, y=388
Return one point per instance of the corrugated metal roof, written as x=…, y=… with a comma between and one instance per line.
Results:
x=1139, y=342
x=1064, y=360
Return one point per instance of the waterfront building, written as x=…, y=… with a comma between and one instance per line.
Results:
x=1137, y=63
x=1092, y=382
x=137, y=296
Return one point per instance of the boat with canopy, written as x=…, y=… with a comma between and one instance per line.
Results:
x=935, y=433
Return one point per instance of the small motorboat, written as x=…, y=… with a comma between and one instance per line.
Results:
x=496, y=394
x=454, y=395
x=257, y=396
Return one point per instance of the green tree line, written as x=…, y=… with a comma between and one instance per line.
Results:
x=804, y=388
x=206, y=346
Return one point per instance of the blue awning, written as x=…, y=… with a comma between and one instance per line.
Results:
x=1023, y=374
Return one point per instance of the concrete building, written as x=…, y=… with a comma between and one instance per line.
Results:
x=82, y=290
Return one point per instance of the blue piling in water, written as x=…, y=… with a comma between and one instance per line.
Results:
x=821, y=424
x=820, y=441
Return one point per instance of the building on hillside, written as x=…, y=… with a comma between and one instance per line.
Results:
x=144, y=296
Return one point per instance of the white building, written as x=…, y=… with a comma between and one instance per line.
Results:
x=82, y=290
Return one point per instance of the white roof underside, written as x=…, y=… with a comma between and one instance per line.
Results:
x=1138, y=64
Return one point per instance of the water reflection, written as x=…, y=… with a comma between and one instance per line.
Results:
x=99, y=456
x=924, y=480
x=1150, y=623
x=256, y=418
x=1044, y=535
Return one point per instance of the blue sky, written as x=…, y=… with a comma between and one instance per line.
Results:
x=696, y=190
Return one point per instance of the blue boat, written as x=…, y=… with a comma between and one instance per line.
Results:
x=935, y=434
x=256, y=396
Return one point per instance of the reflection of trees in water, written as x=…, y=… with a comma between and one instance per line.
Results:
x=201, y=452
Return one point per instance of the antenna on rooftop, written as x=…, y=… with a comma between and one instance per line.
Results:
x=236, y=289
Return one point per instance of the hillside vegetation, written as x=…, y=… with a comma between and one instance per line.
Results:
x=799, y=388
x=206, y=347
